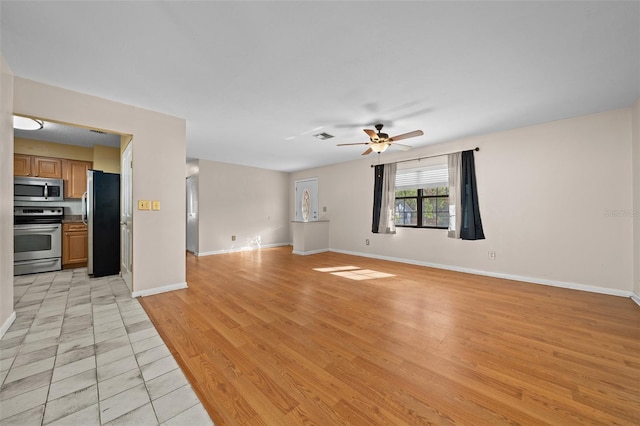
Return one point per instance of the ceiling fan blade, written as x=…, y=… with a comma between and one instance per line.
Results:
x=357, y=143
x=367, y=152
x=371, y=133
x=401, y=146
x=407, y=135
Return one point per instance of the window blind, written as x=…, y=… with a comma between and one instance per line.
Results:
x=422, y=177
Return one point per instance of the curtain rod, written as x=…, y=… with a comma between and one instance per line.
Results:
x=424, y=158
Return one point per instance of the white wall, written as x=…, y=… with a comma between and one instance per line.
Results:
x=159, y=152
x=546, y=195
x=636, y=197
x=6, y=197
x=247, y=202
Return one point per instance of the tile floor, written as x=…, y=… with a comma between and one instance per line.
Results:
x=83, y=352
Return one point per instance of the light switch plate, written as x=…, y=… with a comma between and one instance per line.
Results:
x=155, y=205
x=144, y=205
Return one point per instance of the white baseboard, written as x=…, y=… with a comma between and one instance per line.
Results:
x=532, y=280
x=306, y=253
x=7, y=324
x=158, y=290
x=636, y=298
x=234, y=250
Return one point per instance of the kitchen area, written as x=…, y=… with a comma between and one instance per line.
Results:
x=66, y=199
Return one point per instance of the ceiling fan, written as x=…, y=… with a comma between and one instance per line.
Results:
x=379, y=142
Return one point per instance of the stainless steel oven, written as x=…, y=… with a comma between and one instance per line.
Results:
x=37, y=239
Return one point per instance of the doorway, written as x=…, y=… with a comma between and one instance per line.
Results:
x=192, y=214
x=72, y=150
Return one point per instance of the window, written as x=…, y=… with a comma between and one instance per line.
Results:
x=422, y=197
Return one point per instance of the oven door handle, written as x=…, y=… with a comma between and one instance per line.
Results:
x=36, y=261
x=46, y=190
x=36, y=228
x=84, y=208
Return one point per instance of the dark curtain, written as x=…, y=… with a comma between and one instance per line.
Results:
x=471, y=227
x=377, y=197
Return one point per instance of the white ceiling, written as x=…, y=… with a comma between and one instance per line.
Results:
x=255, y=80
x=61, y=133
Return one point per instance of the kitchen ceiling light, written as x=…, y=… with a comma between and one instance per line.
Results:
x=378, y=147
x=26, y=123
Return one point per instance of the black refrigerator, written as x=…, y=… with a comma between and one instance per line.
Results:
x=101, y=213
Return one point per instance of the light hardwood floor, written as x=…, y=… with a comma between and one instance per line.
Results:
x=266, y=339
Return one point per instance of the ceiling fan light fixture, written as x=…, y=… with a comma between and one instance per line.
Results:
x=379, y=147
x=27, y=123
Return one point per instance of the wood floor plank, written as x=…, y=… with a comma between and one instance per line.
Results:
x=265, y=338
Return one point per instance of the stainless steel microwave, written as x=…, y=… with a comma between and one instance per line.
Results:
x=37, y=189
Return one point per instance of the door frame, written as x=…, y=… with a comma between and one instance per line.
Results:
x=126, y=212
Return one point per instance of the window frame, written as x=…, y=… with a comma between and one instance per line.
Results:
x=428, y=182
x=419, y=212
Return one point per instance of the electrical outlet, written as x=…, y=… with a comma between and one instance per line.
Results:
x=492, y=255
x=233, y=238
x=324, y=209
x=366, y=241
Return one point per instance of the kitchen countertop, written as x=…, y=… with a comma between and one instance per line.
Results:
x=72, y=218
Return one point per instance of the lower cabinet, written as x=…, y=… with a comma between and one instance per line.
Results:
x=75, y=245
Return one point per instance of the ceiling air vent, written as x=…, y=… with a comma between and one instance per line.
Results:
x=323, y=136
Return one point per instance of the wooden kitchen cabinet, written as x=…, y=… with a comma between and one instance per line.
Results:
x=30, y=165
x=74, y=173
x=21, y=165
x=75, y=245
x=47, y=167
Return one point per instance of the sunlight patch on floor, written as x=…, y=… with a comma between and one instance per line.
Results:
x=362, y=274
x=336, y=268
x=354, y=273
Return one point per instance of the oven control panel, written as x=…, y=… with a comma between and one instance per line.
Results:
x=38, y=211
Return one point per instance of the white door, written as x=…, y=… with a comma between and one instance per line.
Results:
x=306, y=200
x=192, y=213
x=126, y=216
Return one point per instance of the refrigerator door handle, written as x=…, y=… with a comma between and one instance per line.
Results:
x=84, y=208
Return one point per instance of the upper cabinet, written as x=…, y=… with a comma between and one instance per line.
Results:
x=47, y=167
x=74, y=173
x=21, y=165
x=29, y=165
